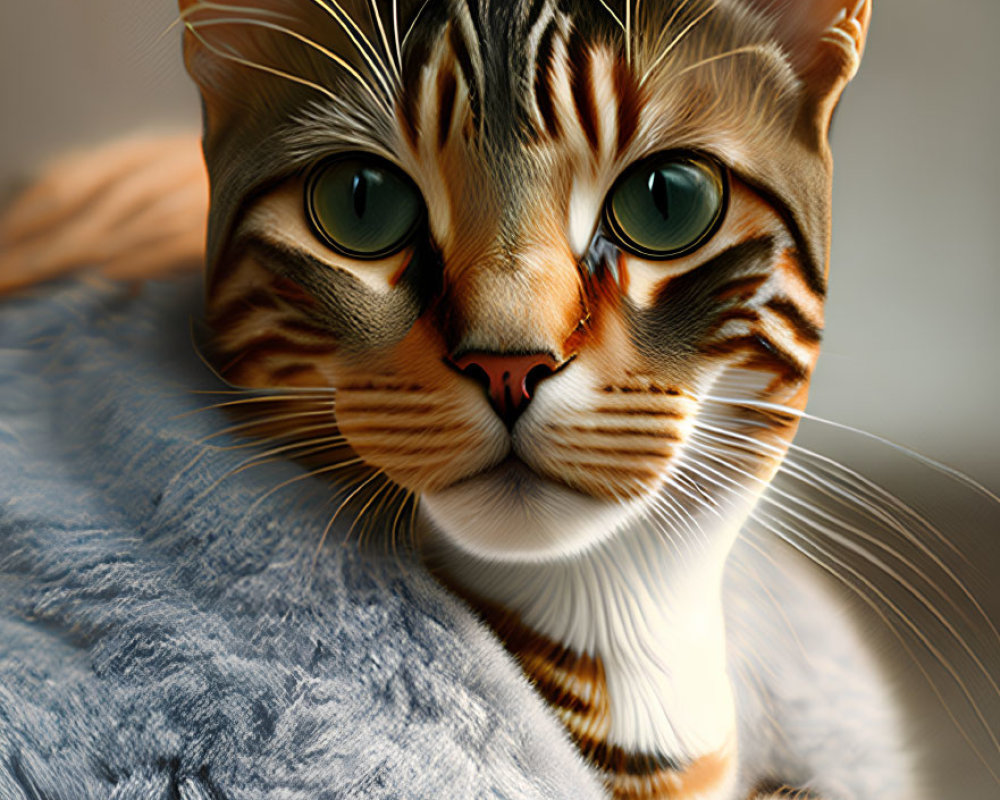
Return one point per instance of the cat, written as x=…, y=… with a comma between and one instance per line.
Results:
x=563, y=264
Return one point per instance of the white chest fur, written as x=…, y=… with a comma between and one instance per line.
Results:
x=650, y=609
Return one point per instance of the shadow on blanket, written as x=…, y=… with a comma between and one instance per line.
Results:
x=159, y=637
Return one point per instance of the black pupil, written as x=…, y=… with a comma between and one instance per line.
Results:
x=660, y=194
x=359, y=193
x=666, y=208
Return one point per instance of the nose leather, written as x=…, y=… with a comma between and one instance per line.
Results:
x=509, y=379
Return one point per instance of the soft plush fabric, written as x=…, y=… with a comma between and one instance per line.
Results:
x=164, y=635
x=166, y=630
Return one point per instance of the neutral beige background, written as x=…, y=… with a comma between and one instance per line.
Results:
x=913, y=344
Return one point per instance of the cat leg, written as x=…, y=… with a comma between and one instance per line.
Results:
x=129, y=210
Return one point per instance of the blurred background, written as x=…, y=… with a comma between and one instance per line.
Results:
x=912, y=350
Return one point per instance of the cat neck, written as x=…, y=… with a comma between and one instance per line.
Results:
x=626, y=640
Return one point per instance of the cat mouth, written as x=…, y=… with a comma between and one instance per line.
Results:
x=512, y=472
x=511, y=512
x=516, y=480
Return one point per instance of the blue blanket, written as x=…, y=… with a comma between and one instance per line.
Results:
x=165, y=635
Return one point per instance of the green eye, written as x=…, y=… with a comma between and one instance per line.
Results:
x=362, y=206
x=667, y=206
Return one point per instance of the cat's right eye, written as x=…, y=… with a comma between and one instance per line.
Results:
x=667, y=206
x=362, y=206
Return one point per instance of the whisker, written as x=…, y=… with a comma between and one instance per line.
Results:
x=892, y=572
x=937, y=466
x=308, y=446
x=370, y=523
x=669, y=24
x=408, y=495
x=340, y=62
x=771, y=523
x=868, y=493
x=912, y=590
x=413, y=22
x=395, y=35
x=752, y=49
x=767, y=590
x=253, y=400
x=208, y=5
x=857, y=481
x=373, y=8
x=326, y=470
x=370, y=518
x=265, y=392
x=265, y=420
x=627, y=27
x=614, y=16
x=333, y=519
x=357, y=36
x=677, y=40
x=256, y=440
x=237, y=59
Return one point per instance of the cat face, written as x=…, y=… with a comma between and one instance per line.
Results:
x=527, y=245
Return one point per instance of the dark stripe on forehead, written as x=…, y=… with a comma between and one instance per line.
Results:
x=461, y=51
x=476, y=16
x=581, y=66
x=534, y=12
x=628, y=104
x=447, y=87
x=417, y=53
x=543, y=80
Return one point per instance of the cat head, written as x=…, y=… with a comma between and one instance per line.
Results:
x=528, y=243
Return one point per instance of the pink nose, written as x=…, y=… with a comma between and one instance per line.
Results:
x=509, y=379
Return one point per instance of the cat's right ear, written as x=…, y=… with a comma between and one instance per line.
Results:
x=210, y=50
x=824, y=41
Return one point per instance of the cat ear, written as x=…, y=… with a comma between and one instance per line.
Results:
x=824, y=40
x=219, y=38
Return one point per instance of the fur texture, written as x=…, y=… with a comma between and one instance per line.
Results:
x=218, y=660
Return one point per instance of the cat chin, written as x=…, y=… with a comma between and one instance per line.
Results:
x=512, y=514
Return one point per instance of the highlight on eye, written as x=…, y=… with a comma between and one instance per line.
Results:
x=667, y=206
x=362, y=206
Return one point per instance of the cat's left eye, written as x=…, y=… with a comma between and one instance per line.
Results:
x=363, y=206
x=667, y=206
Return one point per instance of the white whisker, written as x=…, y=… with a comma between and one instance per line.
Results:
x=677, y=39
x=801, y=544
x=360, y=41
x=237, y=59
x=937, y=466
x=326, y=52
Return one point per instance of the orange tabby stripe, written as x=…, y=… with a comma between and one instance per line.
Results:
x=575, y=687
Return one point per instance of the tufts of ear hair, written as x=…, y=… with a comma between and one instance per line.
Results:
x=824, y=40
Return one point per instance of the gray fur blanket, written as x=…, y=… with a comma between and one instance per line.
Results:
x=165, y=635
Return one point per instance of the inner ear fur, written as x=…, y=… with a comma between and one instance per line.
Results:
x=824, y=41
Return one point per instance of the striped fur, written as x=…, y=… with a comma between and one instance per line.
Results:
x=515, y=120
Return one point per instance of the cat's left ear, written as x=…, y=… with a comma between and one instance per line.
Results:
x=824, y=40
